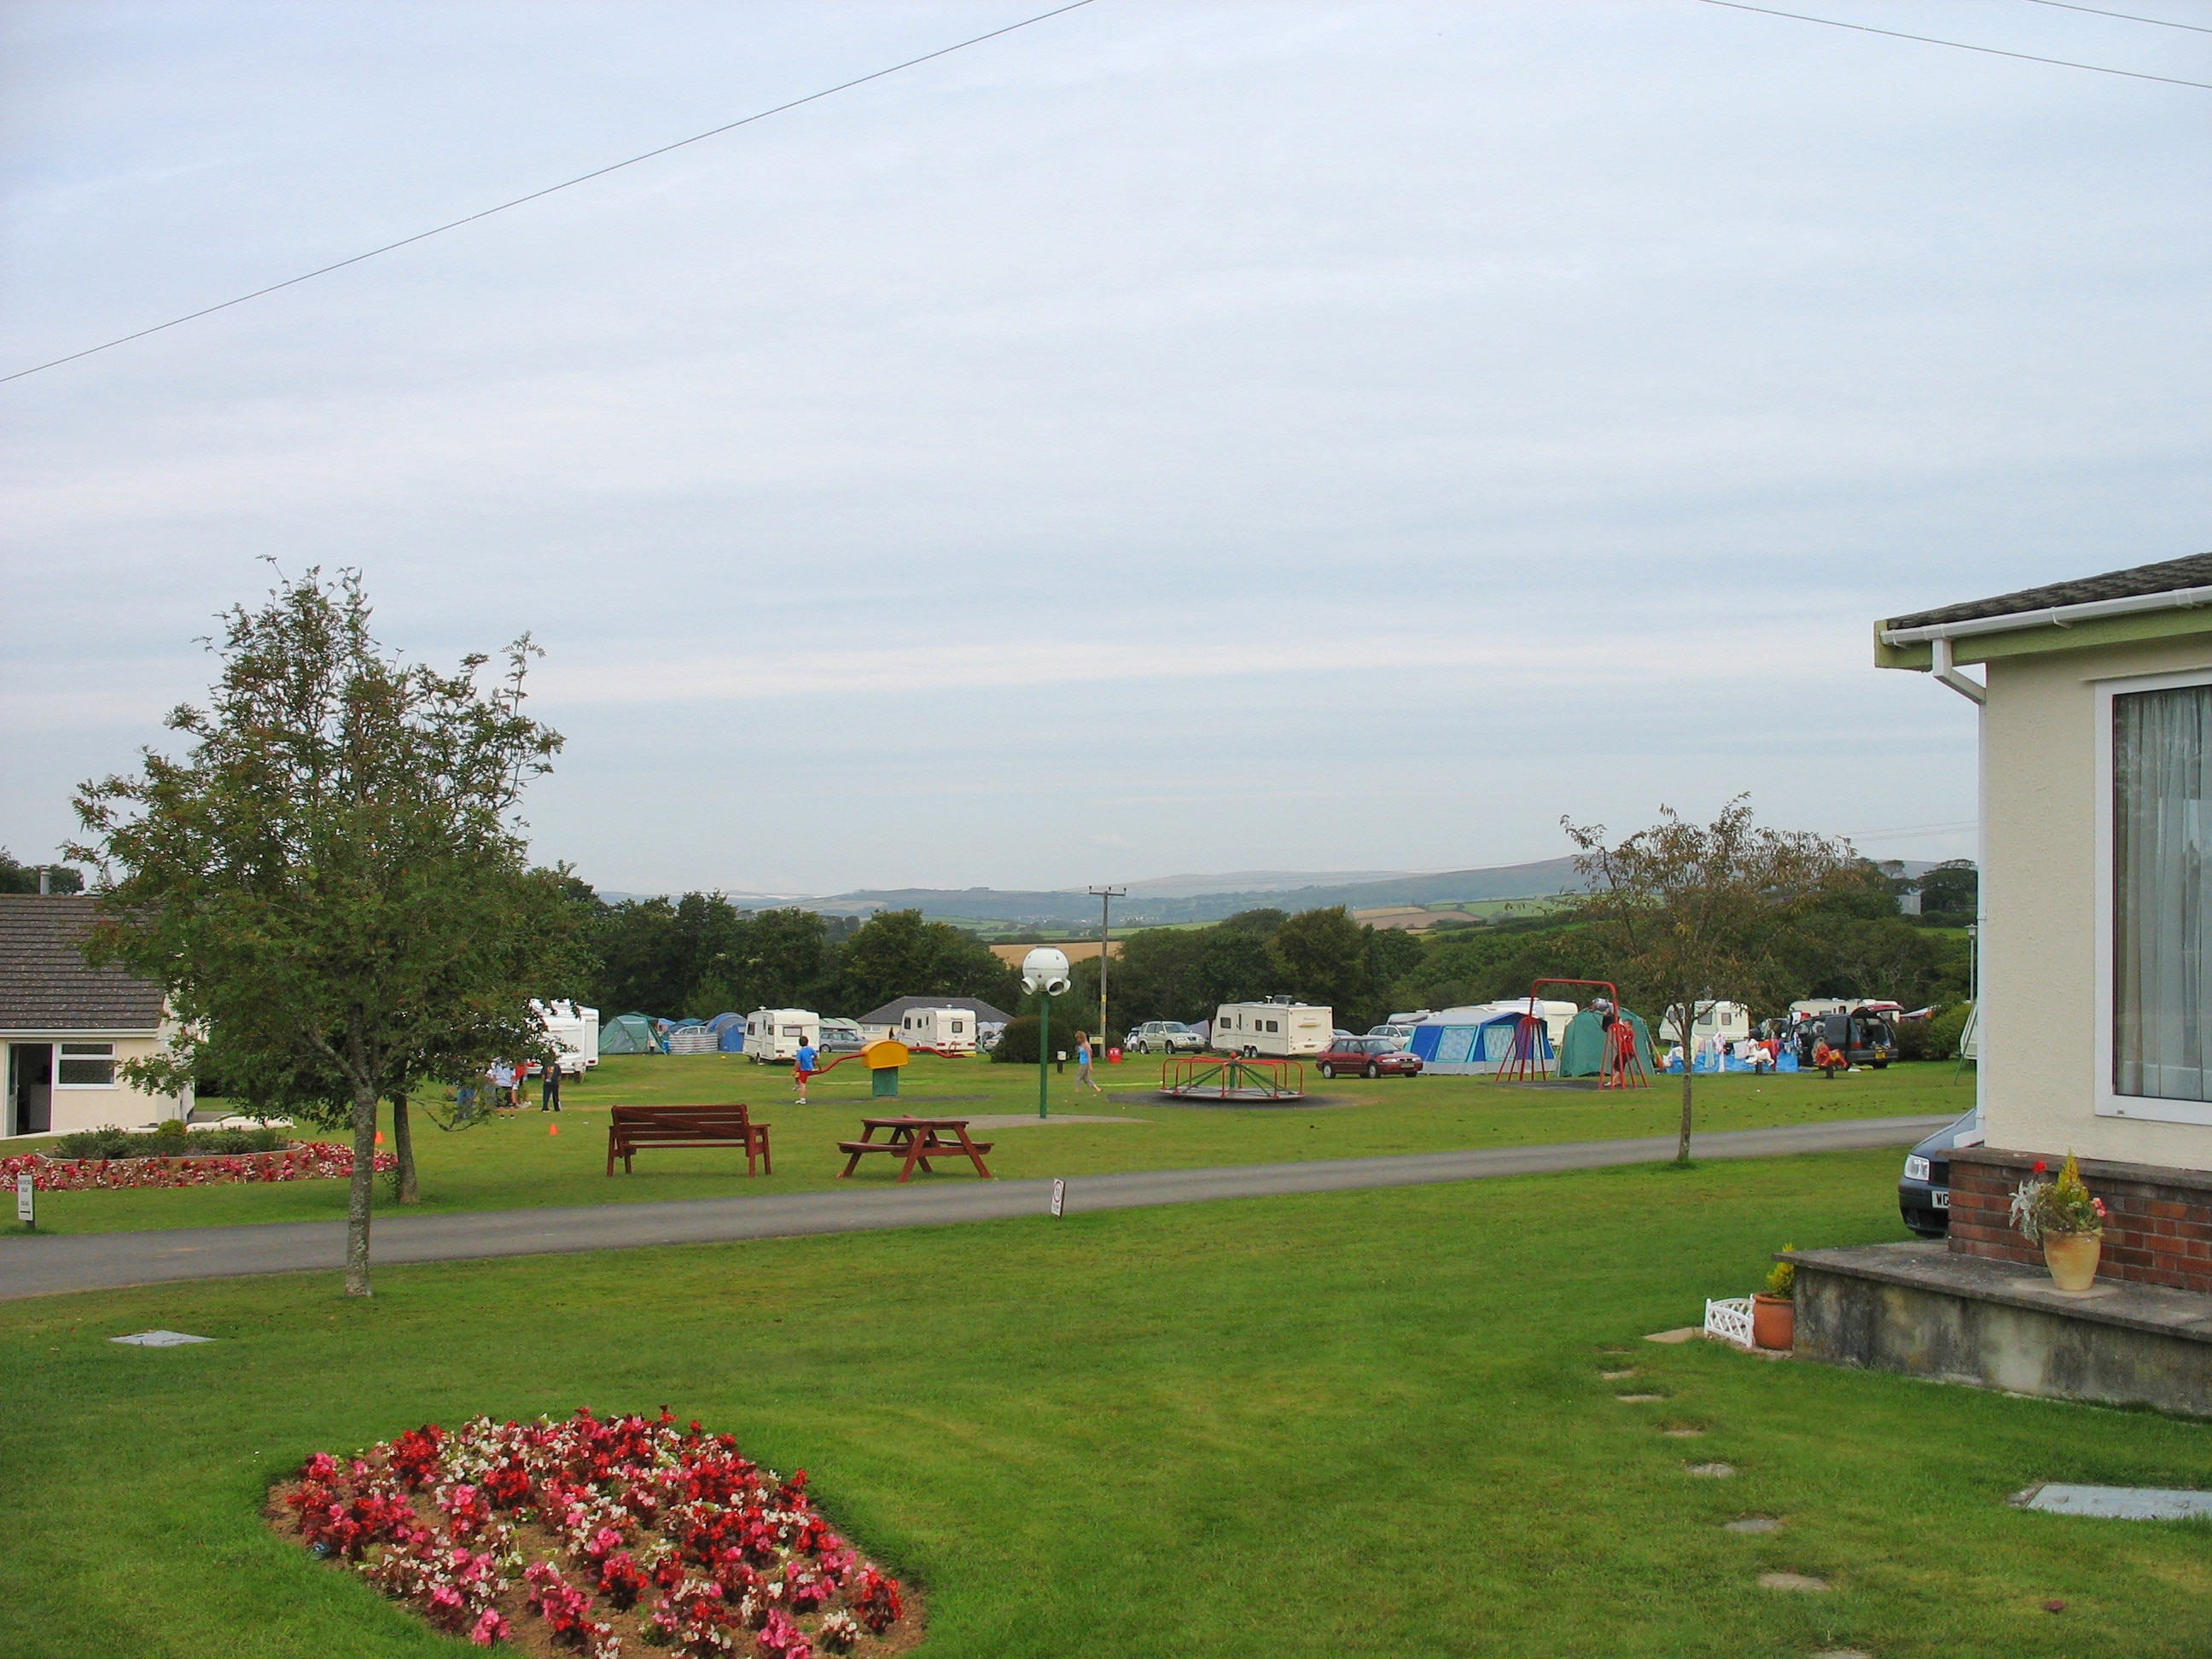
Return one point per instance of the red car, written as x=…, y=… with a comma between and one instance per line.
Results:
x=1368, y=1057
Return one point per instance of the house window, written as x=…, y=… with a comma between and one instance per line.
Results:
x=2162, y=893
x=86, y=1065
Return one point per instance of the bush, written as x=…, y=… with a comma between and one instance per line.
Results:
x=170, y=1141
x=1935, y=1038
x=1018, y=1044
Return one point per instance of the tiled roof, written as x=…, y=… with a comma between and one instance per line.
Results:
x=890, y=1013
x=45, y=983
x=2195, y=571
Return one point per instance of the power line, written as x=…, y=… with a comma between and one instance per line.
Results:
x=1931, y=41
x=2129, y=16
x=581, y=178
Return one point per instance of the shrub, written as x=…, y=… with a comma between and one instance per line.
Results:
x=1934, y=1038
x=169, y=1140
x=1018, y=1044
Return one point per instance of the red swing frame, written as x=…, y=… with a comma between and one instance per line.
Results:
x=1623, y=1068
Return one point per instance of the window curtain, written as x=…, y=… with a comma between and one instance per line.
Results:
x=2162, y=897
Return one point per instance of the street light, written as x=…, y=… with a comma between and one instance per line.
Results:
x=1105, y=896
x=1044, y=974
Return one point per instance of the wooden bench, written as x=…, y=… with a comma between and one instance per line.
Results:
x=634, y=1127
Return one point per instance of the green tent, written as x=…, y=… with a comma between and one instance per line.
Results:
x=632, y=1034
x=1581, y=1050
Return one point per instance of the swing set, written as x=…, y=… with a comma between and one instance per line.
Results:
x=1622, y=1067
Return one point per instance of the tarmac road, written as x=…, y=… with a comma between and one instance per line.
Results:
x=98, y=1261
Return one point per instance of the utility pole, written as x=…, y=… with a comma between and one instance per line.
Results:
x=1105, y=896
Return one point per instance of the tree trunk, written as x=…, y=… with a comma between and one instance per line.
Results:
x=1689, y=1018
x=362, y=1191
x=403, y=1148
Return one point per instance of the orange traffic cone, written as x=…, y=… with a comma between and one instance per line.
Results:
x=380, y=1137
x=552, y=1129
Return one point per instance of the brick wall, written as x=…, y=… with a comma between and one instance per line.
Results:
x=2158, y=1228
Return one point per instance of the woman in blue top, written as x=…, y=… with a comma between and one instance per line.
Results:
x=1083, y=1063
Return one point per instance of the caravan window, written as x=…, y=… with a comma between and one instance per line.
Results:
x=958, y=1026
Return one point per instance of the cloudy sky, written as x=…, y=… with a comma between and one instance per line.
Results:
x=1176, y=436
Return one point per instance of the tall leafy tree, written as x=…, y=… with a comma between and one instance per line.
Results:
x=898, y=954
x=334, y=875
x=1696, y=915
x=1325, y=957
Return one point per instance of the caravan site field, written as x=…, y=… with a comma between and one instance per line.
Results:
x=1387, y=1424
x=516, y=1163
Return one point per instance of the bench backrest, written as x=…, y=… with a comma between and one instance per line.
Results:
x=724, y=1122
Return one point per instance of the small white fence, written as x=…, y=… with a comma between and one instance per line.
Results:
x=1729, y=1319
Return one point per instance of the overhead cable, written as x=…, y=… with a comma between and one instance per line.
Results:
x=581, y=178
x=1962, y=45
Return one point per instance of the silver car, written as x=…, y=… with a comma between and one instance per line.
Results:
x=1165, y=1036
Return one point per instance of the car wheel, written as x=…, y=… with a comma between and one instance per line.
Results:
x=1326, y=1071
x=1373, y=1070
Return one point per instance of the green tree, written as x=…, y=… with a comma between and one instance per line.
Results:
x=1700, y=914
x=24, y=878
x=334, y=876
x=1324, y=957
x=1234, y=965
x=897, y=954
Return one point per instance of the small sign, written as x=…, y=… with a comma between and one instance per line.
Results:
x=25, y=1202
x=1058, y=1195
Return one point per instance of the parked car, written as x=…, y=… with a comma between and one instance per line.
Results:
x=1923, y=1192
x=1367, y=1057
x=1165, y=1036
x=840, y=1036
x=1400, y=1034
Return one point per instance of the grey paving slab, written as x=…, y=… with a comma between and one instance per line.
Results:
x=92, y=1261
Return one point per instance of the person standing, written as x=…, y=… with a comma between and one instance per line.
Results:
x=502, y=1073
x=549, y=1088
x=1083, y=1078
x=803, y=1066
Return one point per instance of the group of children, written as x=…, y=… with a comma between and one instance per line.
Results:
x=509, y=1088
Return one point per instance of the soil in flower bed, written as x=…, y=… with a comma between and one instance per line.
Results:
x=620, y=1536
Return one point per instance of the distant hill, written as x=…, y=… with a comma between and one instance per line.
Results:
x=1538, y=880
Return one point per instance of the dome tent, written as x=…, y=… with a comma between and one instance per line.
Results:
x=1581, y=1050
x=632, y=1034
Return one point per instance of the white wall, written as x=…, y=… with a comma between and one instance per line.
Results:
x=2041, y=897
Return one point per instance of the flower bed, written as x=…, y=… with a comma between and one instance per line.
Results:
x=597, y=1537
x=308, y=1160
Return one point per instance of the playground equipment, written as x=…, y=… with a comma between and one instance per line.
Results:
x=1622, y=1066
x=1216, y=1077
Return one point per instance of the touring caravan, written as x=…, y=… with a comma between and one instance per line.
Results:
x=1280, y=1030
x=774, y=1033
x=574, y=1031
x=949, y=1030
x=1718, y=1023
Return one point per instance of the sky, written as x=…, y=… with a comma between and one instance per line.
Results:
x=1171, y=437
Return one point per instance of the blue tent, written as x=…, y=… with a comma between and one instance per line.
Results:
x=730, y=1029
x=1478, y=1047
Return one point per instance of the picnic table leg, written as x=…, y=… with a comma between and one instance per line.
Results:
x=610, y=1149
x=853, y=1161
x=974, y=1157
x=915, y=1143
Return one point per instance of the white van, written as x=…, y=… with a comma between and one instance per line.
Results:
x=774, y=1033
x=951, y=1030
x=1278, y=1030
x=574, y=1031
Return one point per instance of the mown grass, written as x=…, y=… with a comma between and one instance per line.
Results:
x=1364, y=1423
x=516, y=1163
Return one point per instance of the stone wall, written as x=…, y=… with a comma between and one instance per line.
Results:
x=2157, y=1230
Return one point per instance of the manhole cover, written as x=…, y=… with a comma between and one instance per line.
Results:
x=1754, y=1523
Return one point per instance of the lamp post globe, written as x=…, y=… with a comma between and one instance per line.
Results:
x=1044, y=975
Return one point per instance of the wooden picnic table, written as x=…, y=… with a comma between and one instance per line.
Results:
x=915, y=1140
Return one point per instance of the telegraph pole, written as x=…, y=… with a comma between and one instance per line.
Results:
x=1105, y=896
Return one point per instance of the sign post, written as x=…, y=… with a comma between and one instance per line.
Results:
x=25, y=1202
x=1058, y=1195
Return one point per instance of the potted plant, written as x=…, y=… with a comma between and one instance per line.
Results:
x=1774, y=1311
x=2066, y=1219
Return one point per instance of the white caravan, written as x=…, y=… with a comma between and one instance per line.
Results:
x=774, y=1034
x=574, y=1031
x=1721, y=1022
x=1277, y=1030
x=951, y=1030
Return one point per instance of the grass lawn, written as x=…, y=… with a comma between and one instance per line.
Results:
x=1367, y=1422
x=515, y=1163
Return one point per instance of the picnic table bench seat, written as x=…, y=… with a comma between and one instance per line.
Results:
x=630, y=1129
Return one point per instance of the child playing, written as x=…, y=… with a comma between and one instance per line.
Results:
x=803, y=1066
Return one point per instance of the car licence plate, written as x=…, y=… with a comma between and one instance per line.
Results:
x=1941, y=1198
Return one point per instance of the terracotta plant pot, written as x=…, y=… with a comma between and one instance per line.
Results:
x=1773, y=1322
x=2072, y=1259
